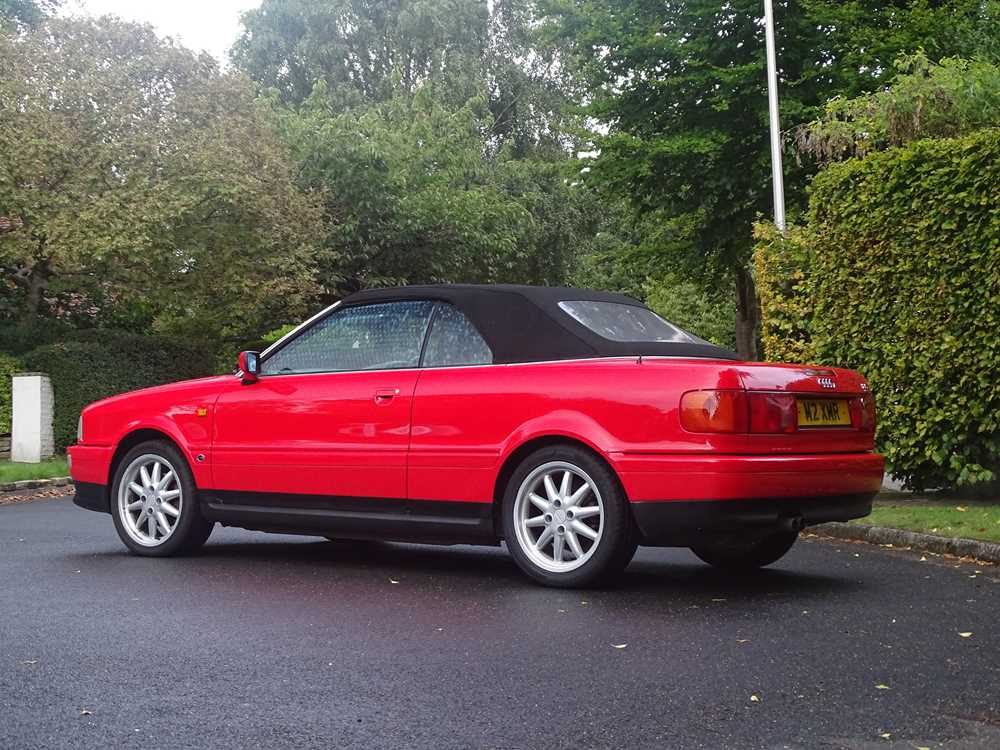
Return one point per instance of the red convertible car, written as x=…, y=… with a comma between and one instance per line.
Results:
x=573, y=425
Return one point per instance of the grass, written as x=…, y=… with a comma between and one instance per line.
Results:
x=12, y=472
x=972, y=521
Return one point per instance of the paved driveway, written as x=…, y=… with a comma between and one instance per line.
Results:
x=278, y=641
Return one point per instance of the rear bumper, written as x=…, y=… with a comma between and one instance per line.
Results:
x=681, y=524
x=678, y=499
x=663, y=477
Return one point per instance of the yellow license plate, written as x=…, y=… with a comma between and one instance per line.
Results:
x=823, y=412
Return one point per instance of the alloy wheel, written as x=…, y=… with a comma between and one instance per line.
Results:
x=150, y=500
x=558, y=516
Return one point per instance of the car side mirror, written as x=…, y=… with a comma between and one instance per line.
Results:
x=249, y=364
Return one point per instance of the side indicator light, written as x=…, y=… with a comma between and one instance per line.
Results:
x=202, y=411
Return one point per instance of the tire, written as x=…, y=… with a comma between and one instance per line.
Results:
x=742, y=557
x=606, y=548
x=186, y=531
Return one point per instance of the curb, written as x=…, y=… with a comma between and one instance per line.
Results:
x=32, y=484
x=939, y=545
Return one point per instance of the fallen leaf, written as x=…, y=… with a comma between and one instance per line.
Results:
x=561, y=610
x=754, y=698
x=961, y=508
x=29, y=662
x=718, y=600
x=880, y=686
x=584, y=602
x=885, y=735
x=743, y=640
x=923, y=559
x=392, y=580
x=86, y=712
x=966, y=635
x=619, y=645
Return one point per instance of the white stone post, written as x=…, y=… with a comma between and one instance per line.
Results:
x=31, y=424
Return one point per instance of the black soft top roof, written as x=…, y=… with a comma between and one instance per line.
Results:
x=526, y=324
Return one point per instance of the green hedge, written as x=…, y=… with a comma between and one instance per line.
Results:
x=781, y=272
x=8, y=366
x=99, y=363
x=903, y=284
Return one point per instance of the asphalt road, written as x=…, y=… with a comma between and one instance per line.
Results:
x=277, y=641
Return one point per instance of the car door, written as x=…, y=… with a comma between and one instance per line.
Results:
x=454, y=446
x=329, y=416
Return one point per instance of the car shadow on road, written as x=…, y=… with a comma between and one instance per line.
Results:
x=491, y=567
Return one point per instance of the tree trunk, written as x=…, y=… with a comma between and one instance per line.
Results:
x=747, y=314
x=35, y=280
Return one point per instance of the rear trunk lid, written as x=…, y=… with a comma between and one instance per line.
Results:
x=831, y=408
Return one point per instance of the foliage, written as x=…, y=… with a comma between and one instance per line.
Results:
x=363, y=51
x=144, y=180
x=8, y=366
x=782, y=271
x=903, y=283
x=413, y=195
x=26, y=12
x=926, y=100
x=699, y=303
x=707, y=313
x=100, y=363
x=681, y=92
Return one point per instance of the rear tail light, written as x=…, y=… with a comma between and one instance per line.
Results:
x=773, y=413
x=714, y=411
x=755, y=413
x=867, y=413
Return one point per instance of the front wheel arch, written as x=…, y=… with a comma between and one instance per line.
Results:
x=133, y=439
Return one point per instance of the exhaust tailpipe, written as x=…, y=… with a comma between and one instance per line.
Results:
x=792, y=523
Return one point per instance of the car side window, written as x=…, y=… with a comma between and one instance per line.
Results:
x=454, y=341
x=381, y=336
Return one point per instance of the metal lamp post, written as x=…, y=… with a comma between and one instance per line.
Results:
x=777, y=173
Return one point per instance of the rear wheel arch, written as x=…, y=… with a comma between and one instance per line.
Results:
x=528, y=447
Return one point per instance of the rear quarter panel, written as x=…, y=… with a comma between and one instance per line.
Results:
x=467, y=421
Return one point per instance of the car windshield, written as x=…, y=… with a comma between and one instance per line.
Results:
x=620, y=322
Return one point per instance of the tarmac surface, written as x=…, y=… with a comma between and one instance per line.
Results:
x=280, y=641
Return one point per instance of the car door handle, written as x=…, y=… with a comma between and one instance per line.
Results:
x=385, y=395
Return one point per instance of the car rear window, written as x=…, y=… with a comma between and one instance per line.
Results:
x=619, y=322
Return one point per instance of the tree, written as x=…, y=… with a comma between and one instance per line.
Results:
x=926, y=100
x=364, y=51
x=367, y=52
x=680, y=90
x=435, y=130
x=26, y=12
x=413, y=195
x=140, y=176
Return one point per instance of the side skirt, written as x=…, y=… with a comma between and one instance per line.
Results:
x=437, y=522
